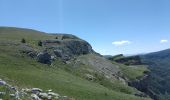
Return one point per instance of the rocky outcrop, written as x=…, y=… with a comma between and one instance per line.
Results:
x=44, y=57
x=142, y=85
x=67, y=48
x=24, y=48
x=99, y=64
x=64, y=47
x=15, y=93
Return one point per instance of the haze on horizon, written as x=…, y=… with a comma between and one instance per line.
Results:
x=110, y=26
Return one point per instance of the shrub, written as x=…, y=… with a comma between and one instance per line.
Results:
x=39, y=43
x=23, y=40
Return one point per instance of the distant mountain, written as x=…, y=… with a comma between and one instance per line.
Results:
x=158, y=83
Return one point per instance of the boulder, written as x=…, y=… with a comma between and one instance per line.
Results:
x=35, y=97
x=44, y=57
x=90, y=77
x=43, y=95
x=26, y=49
x=2, y=82
x=36, y=90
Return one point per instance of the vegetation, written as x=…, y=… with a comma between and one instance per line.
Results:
x=131, y=66
x=130, y=60
x=39, y=43
x=115, y=85
x=159, y=79
x=23, y=71
x=23, y=40
x=133, y=72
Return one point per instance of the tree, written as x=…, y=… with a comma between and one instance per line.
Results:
x=23, y=40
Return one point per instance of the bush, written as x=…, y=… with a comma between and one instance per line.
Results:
x=23, y=40
x=39, y=43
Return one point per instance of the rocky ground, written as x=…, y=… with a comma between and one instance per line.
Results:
x=13, y=93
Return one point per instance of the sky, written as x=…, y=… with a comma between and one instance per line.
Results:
x=110, y=26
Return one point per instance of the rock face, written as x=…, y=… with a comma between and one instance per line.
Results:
x=64, y=47
x=100, y=64
x=67, y=48
x=44, y=57
x=143, y=85
x=28, y=50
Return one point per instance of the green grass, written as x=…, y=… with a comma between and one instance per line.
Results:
x=114, y=84
x=17, y=34
x=134, y=71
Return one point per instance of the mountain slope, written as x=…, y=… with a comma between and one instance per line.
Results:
x=63, y=77
x=158, y=82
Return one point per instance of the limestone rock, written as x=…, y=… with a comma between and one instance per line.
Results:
x=44, y=57
x=67, y=48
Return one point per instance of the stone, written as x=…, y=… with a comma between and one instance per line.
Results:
x=12, y=95
x=50, y=90
x=49, y=97
x=13, y=88
x=28, y=50
x=43, y=95
x=27, y=90
x=17, y=95
x=44, y=57
x=58, y=53
x=90, y=77
x=2, y=82
x=36, y=90
x=65, y=98
x=53, y=94
x=35, y=97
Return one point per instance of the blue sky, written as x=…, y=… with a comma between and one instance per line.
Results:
x=111, y=26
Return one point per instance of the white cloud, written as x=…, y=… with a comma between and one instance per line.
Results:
x=120, y=43
x=163, y=41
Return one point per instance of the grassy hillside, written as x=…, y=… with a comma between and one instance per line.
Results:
x=13, y=33
x=131, y=66
x=133, y=72
x=23, y=71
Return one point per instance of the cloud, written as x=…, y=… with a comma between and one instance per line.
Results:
x=120, y=43
x=163, y=41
